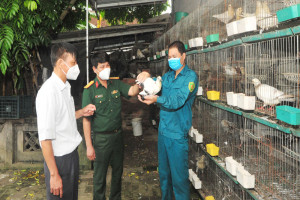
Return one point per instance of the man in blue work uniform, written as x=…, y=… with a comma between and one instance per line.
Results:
x=179, y=88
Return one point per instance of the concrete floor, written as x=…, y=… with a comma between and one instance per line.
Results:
x=140, y=177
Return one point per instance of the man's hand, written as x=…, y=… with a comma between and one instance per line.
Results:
x=148, y=99
x=90, y=153
x=88, y=110
x=142, y=77
x=56, y=186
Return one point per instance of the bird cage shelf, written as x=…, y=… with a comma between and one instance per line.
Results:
x=288, y=13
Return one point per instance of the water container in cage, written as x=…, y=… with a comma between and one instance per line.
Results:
x=198, y=42
x=212, y=149
x=247, y=24
x=200, y=91
x=288, y=13
x=245, y=178
x=232, y=28
x=154, y=57
x=231, y=165
x=240, y=100
x=191, y=43
x=288, y=114
x=213, y=95
x=229, y=98
x=196, y=182
x=212, y=38
x=249, y=103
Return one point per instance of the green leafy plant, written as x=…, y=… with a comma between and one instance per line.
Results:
x=25, y=25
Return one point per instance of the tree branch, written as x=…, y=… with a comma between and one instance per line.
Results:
x=66, y=11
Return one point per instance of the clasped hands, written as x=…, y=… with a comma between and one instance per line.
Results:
x=147, y=99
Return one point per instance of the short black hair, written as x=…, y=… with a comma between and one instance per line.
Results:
x=99, y=57
x=179, y=45
x=60, y=50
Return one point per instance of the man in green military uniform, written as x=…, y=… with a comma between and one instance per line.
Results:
x=107, y=146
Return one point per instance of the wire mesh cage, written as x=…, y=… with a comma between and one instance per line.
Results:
x=273, y=157
x=270, y=66
x=215, y=182
x=231, y=70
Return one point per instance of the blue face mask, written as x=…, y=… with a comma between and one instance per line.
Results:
x=174, y=63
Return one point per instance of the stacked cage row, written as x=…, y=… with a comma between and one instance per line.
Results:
x=270, y=154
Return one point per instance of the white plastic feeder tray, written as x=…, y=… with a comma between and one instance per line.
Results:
x=229, y=98
x=148, y=58
x=249, y=103
x=163, y=53
x=196, y=183
x=191, y=43
x=191, y=174
x=200, y=91
x=133, y=57
x=191, y=132
x=232, y=28
x=198, y=138
x=154, y=57
x=198, y=42
x=247, y=24
x=245, y=178
x=240, y=100
x=235, y=99
x=231, y=165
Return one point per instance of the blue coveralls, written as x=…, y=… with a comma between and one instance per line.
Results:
x=175, y=121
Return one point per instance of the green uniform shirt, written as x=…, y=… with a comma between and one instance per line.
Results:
x=108, y=104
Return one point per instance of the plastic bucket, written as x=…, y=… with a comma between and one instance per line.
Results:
x=180, y=15
x=137, y=126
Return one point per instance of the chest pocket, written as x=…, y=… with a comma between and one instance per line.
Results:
x=100, y=100
x=116, y=96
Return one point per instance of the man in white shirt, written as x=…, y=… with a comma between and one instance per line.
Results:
x=57, y=128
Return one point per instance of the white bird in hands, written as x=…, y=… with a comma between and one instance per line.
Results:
x=270, y=95
x=150, y=86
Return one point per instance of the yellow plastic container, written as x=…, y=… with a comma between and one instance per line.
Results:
x=213, y=95
x=212, y=149
x=209, y=198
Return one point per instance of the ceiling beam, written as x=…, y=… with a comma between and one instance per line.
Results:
x=117, y=4
x=108, y=35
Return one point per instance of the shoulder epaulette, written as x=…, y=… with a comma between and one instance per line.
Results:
x=89, y=84
x=114, y=78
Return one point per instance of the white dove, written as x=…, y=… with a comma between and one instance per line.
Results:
x=150, y=87
x=270, y=95
x=226, y=16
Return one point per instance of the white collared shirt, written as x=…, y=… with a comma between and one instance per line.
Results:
x=56, y=116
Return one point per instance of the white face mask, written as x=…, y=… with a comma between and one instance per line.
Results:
x=72, y=73
x=104, y=74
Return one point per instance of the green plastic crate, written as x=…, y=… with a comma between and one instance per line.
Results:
x=288, y=13
x=212, y=38
x=180, y=15
x=288, y=114
x=151, y=58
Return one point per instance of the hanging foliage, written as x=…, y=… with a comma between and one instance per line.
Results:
x=119, y=16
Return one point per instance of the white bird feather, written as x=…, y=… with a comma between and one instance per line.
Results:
x=226, y=16
x=270, y=95
x=150, y=87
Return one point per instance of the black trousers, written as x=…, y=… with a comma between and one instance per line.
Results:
x=68, y=168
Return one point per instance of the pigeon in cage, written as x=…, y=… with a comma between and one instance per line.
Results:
x=139, y=54
x=201, y=163
x=229, y=70
x=270, y=95
x=150, y=86
x=238, y=13
x=226, y=16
